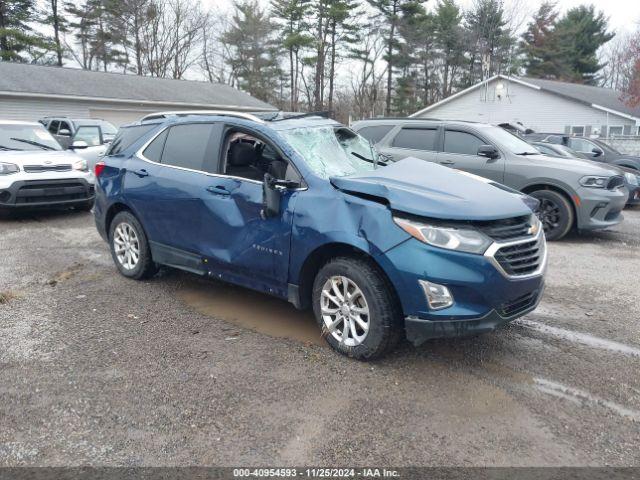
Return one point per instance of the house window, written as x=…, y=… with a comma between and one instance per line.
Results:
x=617, y=130
x=577, y=130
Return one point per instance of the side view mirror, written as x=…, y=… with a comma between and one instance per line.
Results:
x=79, y=145
x=596, y=152
x=272, y=189
x=64, y=133
x=488, y=151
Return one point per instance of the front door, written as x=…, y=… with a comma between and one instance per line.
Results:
x=460, y=150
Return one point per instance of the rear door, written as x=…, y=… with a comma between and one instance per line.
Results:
x=413, y=141
x=460, y=150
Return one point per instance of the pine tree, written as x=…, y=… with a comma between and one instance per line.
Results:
x=449, y=41
x=292, y=17
x=254, y=50
x=582, y=31
x=540, y=46
x=17, y=39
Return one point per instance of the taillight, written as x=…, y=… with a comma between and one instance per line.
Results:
x=98, y=168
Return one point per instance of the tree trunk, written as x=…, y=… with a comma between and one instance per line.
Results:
x=392, y=33
x=56, y=30
x=332, y=67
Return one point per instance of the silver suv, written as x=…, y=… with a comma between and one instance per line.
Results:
x=572, y=193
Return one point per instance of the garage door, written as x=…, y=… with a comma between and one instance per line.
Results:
x=118, y=117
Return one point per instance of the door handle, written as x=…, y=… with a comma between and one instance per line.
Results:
x=219, y=190
x=446, y=162
x=141, y=173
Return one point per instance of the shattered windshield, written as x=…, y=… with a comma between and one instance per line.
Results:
x=332, y=152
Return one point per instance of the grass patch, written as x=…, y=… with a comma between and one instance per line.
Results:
x=6, y=297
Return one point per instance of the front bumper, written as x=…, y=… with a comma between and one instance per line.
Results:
x=419, y=330
x=485, y=296
x=599, y=208
x=45, y=193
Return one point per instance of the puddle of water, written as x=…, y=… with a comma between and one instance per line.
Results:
x=582, y=338
x=251, y=310
x=579, y=397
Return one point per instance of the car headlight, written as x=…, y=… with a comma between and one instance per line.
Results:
x=631, y=178
x=461, y=239
x=80, y=165
x=8, y=168
x=594, y=181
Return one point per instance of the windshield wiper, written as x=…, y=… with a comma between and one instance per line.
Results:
x=362, y=157
x=528, y=153
x=31, y=142
x=2, y=147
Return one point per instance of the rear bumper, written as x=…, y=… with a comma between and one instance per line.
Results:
x=45, y=193
x=419, y=330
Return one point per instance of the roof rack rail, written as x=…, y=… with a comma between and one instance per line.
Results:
x=185, y=113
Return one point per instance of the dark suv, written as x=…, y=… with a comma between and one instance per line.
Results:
x=572, y=193
x=302, y=209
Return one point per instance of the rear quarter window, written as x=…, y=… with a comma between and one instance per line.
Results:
x=127, y=136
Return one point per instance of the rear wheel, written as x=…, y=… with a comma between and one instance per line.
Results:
x=130, y=248
x=555, y=213
x=356, y=309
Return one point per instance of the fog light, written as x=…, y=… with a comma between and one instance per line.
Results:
x=438, y=296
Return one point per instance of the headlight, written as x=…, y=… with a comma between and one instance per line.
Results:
x=80, y=165
x=593, y=181
x=460, y=239
x=8, y=168
x=631, y=178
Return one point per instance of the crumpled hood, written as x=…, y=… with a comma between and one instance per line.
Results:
x=39, y=157
x=427, y=189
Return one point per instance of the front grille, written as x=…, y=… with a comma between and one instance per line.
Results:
x=47, y=168
x=519, y=305
x=507, y=229
x=615, y=182
x=522, y=258
x=43, y=192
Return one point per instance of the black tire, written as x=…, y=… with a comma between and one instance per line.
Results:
x=86, y=206
x=555, y=212
x=385, y=317
x=145, y=266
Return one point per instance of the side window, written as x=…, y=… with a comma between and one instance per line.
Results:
x=249, y=157
x=581, y=145
x=53, y=127
x=154, y=150
x=375, y=133
x=191, y=146
x=64, y=126
x=544, y=149
x=416, y=138
x=89, y=134
x=461, y=142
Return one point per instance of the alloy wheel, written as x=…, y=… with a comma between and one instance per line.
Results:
x=345, y=311
x=126, y=245
x=549, y=214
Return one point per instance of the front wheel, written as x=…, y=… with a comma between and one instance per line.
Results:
x=555, y=213
x=130, y=248
x=356, y=308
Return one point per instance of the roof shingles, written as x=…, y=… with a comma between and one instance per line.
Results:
x=37, y=79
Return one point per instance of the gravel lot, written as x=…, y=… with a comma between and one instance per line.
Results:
x=97, y=369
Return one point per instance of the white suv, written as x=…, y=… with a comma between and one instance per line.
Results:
x=36, y=172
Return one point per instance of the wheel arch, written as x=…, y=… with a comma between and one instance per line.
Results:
x=546, y=186
x=112, y=211
x=320, y=257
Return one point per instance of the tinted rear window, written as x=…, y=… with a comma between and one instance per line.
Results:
x=375, y=133
x=128, y=136
x=190, y=146
x=154, y=150
x=416, y=138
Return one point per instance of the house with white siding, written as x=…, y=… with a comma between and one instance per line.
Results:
x=31, y=92
x=541, y=105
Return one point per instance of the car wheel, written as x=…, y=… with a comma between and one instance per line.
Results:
x=555, y=213
x=130, y=248
x=356, y=308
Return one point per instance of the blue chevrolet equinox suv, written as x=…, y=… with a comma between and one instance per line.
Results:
x=305, y=209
